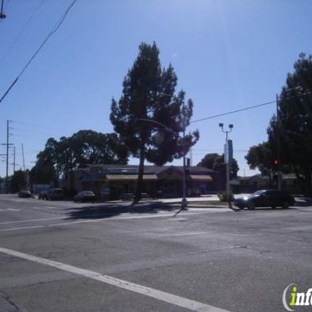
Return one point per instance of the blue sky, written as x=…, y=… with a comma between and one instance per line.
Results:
x=227, y=54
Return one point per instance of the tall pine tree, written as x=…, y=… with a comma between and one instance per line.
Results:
x=149, y=117
x=292, y=130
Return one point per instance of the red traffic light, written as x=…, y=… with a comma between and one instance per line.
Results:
x=275, y=162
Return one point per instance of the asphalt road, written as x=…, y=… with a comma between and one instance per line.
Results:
x=61, y=256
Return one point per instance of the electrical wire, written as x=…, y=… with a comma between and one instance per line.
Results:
x=234, y=112
x=248, y=108
x=20, y=33
x=53, y=31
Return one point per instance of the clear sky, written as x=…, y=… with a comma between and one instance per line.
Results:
x=227, y=54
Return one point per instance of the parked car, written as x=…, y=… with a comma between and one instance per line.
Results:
x=24, y=193
x=55, y=194
x=84, y=196
x=265, y=198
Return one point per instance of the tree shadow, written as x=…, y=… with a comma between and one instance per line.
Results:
x=111, y=210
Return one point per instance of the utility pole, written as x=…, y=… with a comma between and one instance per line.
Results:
x=278, y=145
x=14, y=158
x=1, y=12
x=23, y=157
x=7, y=144
x=24, y=168
x=227, y=158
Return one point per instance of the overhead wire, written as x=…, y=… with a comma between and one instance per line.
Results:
x=234, y=112
x=247, y=108
x=20, y=33
x=53, y=31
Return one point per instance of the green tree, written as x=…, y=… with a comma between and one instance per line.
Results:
x=262, y=157
x=46, y=169
x=149, y=117
x=82, y=148
x=293, y=127
x=216, y=162
x=89, y=147
x=18, y=181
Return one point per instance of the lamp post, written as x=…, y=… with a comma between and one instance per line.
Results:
x=227, y=160
x=184, y=200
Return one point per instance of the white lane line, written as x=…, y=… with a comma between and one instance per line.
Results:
x=68, y=223
x=146, y=291
x=22, y=228
x=177, y=234
x=103, y=218
x=31, y=220
x=10, y=209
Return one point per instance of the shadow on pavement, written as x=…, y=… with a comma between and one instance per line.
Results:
x=111, y=210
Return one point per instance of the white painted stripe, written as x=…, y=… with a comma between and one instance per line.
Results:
x=31, y=220
x=177, y=234
x=108, y=217
x=22, y=228
x=146, y=291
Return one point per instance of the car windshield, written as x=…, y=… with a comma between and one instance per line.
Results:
x=87, y=193
x=257, y=193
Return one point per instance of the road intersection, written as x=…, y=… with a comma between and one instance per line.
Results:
x=61, y=256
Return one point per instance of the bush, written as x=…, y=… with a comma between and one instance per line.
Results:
x=223, y=196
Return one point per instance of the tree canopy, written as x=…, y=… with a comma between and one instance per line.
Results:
x=82, y=148
x=261, y=156
x=149, y=117
x=290, y=130
x=216, y=162
x=18, y=181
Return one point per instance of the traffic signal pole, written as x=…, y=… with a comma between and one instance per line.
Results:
x=278, y=146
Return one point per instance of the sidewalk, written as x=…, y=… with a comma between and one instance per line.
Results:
x=208, y=201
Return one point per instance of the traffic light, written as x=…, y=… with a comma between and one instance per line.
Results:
x=275, y=162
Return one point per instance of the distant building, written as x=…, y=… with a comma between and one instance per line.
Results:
x=111, y=181
x=251, y=184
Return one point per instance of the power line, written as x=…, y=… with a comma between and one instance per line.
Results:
x=53, y=31
x=21, y=32
x=234, y=112
x=248, y=108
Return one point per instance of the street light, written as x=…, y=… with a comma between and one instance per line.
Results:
x=184, y=200
x=227, y=159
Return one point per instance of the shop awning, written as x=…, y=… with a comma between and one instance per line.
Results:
x=201, y=177
x=129, y=177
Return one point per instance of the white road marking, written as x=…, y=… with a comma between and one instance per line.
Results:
x=22, y=228
x=10, y=209
x=146, y=291
x=177, y=234
x=108, y=217
x=31, y=220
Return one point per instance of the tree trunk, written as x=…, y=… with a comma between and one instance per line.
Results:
x=308, y=185
x=139, y=183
